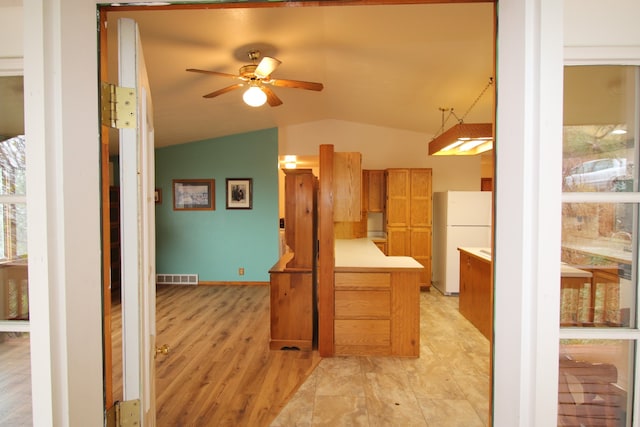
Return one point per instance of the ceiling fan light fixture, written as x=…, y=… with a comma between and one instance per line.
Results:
x=254, y=97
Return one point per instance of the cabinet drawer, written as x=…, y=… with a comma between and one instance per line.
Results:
x=363, y=332
x=363, y=304
x=361, y=281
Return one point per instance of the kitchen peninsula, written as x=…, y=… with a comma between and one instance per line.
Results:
x=377, y=301
x=336, y=290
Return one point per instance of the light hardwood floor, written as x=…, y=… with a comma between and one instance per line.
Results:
x=220, y=372
x=15, y=380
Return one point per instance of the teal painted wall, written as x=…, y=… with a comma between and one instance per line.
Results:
x=214, y=244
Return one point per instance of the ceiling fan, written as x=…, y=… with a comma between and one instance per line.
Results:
x=257, y=77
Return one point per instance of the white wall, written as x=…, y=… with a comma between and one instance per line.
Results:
x=382, y=148
x=10, y=29
x=11, y=50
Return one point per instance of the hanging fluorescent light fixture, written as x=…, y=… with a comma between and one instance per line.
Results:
x=463, y=139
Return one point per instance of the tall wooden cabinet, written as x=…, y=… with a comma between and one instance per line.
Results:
x=408, y=216
x=293, y=277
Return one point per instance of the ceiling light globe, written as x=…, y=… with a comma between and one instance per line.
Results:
x=254, y=96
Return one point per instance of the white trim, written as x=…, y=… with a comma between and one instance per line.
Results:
x=63, y=158
x=14, y=326
x=11, y=66
x=14, y=199
x=527, y=223
x=599, y=333
x=602, y=55
x=603, y=197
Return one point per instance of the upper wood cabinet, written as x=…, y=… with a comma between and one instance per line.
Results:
x=398, y=197
x=373, y=190
x=347, y=187
x=421, y=194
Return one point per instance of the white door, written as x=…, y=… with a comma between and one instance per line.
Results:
x=137, y=216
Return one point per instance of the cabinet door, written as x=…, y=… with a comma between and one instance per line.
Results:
x=291, y=310
x=376, y=190
x=398, y=241
x=420, y=187
x=482, y=296
x=347, y=187
x=398, y=195
x=465, y=303
x=420, y=243
x=365, y=190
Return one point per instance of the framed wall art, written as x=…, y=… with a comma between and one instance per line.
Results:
x=193, y=194
x=239, y=193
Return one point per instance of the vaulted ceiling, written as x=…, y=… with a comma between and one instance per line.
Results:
x=386, y=65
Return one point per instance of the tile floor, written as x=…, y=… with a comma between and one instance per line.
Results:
x=448, y=385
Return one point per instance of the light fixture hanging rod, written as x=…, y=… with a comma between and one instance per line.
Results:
x=476, y=100
x=445, y=120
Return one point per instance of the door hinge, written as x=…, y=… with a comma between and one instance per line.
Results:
x=124, y=414
x=118, y=106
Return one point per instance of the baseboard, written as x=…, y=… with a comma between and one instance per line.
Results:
x=201, y=283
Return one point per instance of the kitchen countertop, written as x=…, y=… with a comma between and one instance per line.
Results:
x=377, y=236
x=364, y=255
x=565, y=269
x=482, y=253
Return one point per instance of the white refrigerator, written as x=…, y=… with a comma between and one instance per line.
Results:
x=460, y=219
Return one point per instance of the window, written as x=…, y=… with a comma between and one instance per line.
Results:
x=599, y=283
x=15, y=344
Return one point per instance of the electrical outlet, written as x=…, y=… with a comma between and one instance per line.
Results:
x=241, y=271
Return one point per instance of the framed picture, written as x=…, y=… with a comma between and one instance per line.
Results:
x=239, y=193
x=157, y=195
x=194, y=194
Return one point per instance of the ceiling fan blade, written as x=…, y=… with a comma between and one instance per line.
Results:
x=298, y=84
x=215, y=73
x=272, y=98
x=266, y=66
x=223, y=90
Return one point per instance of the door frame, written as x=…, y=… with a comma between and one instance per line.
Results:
x=61, y=121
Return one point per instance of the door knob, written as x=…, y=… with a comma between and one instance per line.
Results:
x=164, y=350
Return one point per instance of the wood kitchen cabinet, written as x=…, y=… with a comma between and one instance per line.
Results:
x=476, y=293
x=373, y=190
x=349, y=214
x=347, y=187
x=377, y=313
x=291, y=307
x=408, y=216
x=398, y=198
x=292, y=278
